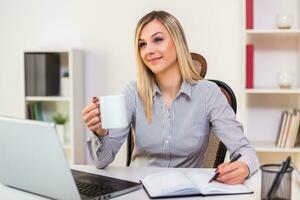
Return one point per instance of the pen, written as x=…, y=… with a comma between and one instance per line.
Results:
x=217, y=174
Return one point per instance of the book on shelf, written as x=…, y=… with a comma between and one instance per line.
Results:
x=283, y=123
x=34, y=111
x=42, y=74
x=249, y=66
x=29, y=75
x=290, y=143
x=249, y=14
x=289, y=129
x=175, y=183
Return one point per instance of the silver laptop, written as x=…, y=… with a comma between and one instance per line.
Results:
x=32, y=159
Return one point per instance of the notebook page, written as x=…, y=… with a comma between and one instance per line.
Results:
x=168, y=183
x=202, y=179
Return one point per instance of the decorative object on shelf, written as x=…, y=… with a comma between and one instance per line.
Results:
x=249, y=66
x=249, y=14
x=284, y=21
x=60, y=121
x=64, y=86
x=285, y=80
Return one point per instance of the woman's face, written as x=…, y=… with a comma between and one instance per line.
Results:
x=157, y=48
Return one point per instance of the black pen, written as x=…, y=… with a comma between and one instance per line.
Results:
x=217, y=174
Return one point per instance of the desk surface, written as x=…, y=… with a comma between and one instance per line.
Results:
x=136, y=173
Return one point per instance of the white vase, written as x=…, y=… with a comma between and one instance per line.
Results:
x=285, y=80
x=61, y=132
x=284, y=21
x=64, y=86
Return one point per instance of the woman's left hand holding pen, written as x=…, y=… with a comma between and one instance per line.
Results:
x=233, y=173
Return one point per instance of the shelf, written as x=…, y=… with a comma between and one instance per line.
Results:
x=273, y=32
x=52, y=98
x=266, y=52
x=272, y=91
x=265, y=146
x=72, y=61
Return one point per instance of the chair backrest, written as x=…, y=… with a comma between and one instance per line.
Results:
x=216, y=150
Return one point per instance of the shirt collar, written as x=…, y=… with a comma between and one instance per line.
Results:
x=185, y=88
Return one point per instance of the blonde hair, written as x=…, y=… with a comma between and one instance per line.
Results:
x=146, y=78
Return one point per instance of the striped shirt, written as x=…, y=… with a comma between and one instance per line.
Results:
x=178, y=134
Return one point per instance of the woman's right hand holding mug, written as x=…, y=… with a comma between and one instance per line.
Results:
x=92, y=118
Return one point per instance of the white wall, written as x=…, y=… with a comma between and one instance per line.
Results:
x=105, y=31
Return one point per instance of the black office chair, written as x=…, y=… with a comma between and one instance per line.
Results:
x=216, y=150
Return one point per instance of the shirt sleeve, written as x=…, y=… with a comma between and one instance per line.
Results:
x=103, y=150
x=227, y=128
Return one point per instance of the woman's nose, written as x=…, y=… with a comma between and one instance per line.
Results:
x=149, y=49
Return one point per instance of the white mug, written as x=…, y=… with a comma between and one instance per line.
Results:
x=113, y=111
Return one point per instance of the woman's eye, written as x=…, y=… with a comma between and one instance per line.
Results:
x=142, y=44
x=158, y=39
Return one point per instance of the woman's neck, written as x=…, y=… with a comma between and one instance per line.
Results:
x=169, y=83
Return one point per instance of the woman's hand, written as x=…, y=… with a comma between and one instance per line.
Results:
x=92, y=118
x=233, y=173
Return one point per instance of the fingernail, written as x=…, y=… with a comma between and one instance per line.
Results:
x=94, y=99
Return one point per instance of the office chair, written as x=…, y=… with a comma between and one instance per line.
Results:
x=216, y=150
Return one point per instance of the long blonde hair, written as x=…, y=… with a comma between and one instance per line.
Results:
x=146, y=78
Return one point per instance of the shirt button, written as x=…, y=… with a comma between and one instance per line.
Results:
x=167, y=142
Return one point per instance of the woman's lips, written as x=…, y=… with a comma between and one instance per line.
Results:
x=154, y=60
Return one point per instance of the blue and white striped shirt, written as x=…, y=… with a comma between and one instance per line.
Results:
x=177, y=135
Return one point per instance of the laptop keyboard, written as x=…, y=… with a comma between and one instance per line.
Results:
x=93, y=190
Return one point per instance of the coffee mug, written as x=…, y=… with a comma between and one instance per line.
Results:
x=113, y=111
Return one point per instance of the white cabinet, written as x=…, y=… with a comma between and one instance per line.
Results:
x=276, y=50
x=69, y=103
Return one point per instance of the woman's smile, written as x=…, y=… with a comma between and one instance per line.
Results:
x=155, y=60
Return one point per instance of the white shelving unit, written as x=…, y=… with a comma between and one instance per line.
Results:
x=275, y=50
x=71, y=61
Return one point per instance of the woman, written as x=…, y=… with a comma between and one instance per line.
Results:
x=170, y=108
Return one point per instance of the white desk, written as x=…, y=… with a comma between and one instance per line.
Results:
x=134, y=174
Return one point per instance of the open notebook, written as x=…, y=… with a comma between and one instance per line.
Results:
x=175, y=183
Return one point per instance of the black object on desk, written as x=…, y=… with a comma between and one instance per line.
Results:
x=217, y=174
x=275, y=185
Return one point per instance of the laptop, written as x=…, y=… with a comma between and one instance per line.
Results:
x=32, y=159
